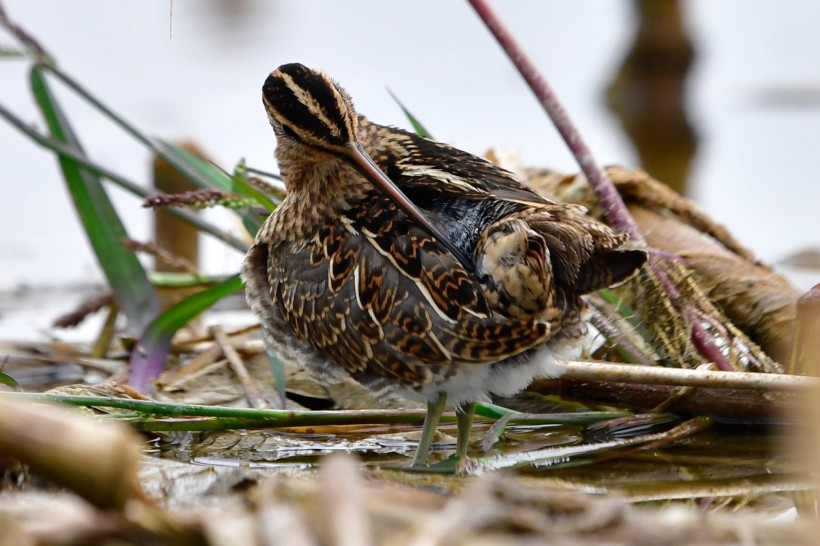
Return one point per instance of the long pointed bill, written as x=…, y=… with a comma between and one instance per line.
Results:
x=373, y=173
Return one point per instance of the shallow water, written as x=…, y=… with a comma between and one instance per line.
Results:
x=737, y=464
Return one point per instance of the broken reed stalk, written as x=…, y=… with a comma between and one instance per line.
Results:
x=55, y=443
x=252, y=391
x=33, y=433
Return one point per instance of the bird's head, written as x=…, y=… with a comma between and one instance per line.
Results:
x=315, y=121
x=306, y=105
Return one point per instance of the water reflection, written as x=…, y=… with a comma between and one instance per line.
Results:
x=648, y=93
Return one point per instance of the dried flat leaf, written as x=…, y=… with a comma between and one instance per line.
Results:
x=715, y=269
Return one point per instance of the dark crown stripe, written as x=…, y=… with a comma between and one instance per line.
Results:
x=309, y=101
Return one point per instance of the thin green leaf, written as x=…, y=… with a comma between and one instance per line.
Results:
x=492, y=411
x=231, y=417
x=132, y=187
x=10, y=53
x=199, y=172
x=417, y=126
x=243, y=187
x=10, y=381
x=277, y=368
x=206, y=175
x=148, y=357
x=209, y=176
x=201, y=177
x=172, y=279
x=125, y=274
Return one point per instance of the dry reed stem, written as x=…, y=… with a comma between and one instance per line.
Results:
x=96, y=460
x=252, y=391
x=343, y=502
x=645, y=375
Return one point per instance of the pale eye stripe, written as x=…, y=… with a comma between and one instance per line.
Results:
x=313, y=106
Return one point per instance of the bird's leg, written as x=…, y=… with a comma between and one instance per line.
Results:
x=464, y=416
x=428, y=430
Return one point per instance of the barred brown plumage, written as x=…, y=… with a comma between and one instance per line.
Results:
x=412, y=266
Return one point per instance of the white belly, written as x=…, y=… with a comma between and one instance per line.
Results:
x=476, y=382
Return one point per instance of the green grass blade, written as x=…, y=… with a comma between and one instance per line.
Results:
x=201, y=172
x=172, y=279
x=242, y=186
x=10, y=53
x=493, y=411
x=215, y=178
x=277, y=368
x=208, y=176
x=417, y=126
x=132, y=187
x=148, y=357
x=126, y=276
x=10, y=382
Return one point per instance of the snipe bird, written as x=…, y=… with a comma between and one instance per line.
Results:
x=414, y=267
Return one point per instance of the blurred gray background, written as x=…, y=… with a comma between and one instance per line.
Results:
x=193, y=69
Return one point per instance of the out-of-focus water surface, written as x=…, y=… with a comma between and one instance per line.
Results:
x=193, y=69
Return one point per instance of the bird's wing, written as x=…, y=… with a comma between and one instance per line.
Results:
x=378, y=295
x=414, y=162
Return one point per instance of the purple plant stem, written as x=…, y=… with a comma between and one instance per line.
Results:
x=24, y=37
x=611, y=332
x=705, y=344
x=613, y=206
x=147, y=362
